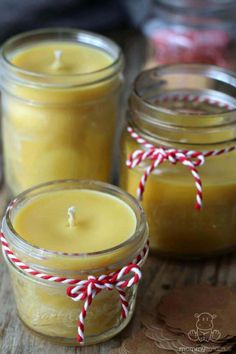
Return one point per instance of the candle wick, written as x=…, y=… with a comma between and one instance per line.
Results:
x=58, y=54
x=71, y=216
x=57, y=63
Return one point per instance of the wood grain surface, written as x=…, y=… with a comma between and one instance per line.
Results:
x=159, y=276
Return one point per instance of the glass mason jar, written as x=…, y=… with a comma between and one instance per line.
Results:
x=189, y=31
x=185, y=107
x=58, y=118
x=44, y=306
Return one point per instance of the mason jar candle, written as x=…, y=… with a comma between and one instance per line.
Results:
x=60, y=92
x=73, y=240
x=178, y=156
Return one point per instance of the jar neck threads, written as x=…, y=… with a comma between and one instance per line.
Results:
x=190, y=104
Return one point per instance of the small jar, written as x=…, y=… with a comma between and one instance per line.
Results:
x=60, y=94
x=187, y=31
x=44, y=306
x=188, y=108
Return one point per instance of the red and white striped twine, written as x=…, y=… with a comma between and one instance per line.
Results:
x=195, y=99
x=157, y=155
x=86, y=290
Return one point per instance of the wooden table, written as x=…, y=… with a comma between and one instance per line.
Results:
x=159, y=275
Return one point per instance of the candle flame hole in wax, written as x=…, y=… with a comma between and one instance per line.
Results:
x=71, y=216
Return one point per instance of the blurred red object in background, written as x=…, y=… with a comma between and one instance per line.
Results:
x=187, y=31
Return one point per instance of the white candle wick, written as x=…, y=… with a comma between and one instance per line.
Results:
x=58, y=55
x=71, y=216
x=57, y=63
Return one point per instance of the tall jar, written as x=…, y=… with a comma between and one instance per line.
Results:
x=189, y=31
x=45, y=306
x=187, y=109
x=60, y=93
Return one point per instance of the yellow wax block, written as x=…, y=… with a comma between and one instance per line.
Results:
x=60, y=124
x=101, y=221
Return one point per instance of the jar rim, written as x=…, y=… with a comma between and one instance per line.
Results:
x=79, y=36
x=158, y=73
x=210, y=5
x=14, y=238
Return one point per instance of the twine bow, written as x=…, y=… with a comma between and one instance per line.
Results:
x=158, y=155
x=86, y=290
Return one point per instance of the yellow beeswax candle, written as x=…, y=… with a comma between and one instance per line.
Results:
x=60, y=102
x=73, y=229
x=179, y=110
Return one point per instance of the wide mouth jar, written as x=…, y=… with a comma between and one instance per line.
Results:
x=43, y=305
x=178, y=154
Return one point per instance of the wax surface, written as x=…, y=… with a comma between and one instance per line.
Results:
x=74, y=58
x=102, y=221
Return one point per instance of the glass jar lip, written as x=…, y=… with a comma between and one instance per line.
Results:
x=207, y=70
x=81, y=36
x=8, y=227
x=210, y=5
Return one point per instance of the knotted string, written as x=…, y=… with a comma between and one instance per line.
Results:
x=157, y=155
x=86, y=290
